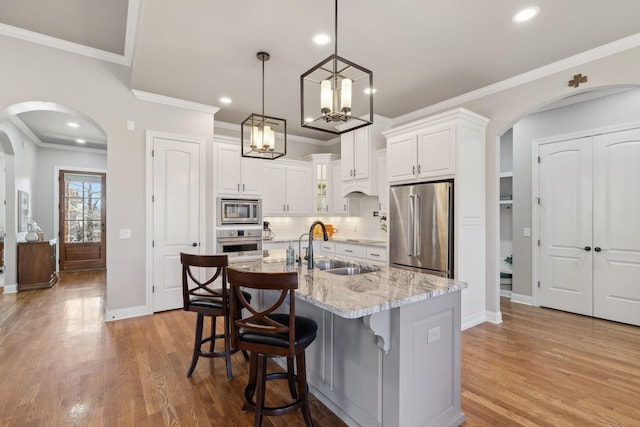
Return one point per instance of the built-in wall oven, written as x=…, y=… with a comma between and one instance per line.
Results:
x=240, y=243
x=239, y=211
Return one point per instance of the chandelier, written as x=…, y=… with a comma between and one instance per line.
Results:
x=336, y=95
x=263, y=137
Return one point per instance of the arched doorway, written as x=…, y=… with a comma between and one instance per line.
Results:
x=38, y=139
x=601, y=108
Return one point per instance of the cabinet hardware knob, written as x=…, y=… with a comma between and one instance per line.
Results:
x=597, y=249
x=587, y=248
x=413, y=170
x=194, y=244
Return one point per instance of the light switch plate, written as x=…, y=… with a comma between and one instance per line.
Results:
x=526, y=232
x=125, y=233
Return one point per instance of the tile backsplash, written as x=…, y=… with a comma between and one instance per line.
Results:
x=365, y=226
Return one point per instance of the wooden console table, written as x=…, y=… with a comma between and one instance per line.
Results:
x=36, y=265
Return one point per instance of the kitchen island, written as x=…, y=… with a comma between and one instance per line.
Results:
x=387, y=351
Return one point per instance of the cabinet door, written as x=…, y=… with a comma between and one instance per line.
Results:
x=383, y=185
x=362, y=153
x=401, y=158
x=347, y=155
x=436, y=155
x=339, y=205
x=228, y=169
x=297, y=188
x=251, y=176
x=274, y=195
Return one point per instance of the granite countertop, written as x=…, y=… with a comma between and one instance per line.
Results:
x=358, y=295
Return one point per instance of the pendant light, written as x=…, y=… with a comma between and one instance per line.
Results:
x=336, y=95
x=263, y=137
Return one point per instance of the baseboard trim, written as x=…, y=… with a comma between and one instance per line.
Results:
x=521, y=299
x=126, y=313
x=11, y=289
x=494, y=317
x=473, y=320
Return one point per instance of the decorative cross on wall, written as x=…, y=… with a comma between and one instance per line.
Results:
x=577, y=79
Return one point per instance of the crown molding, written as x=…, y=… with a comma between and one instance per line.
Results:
x=174, y=102
x=600, y=52
x=133, y=17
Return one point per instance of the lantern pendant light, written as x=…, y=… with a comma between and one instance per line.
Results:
x=336, y=96
x=263, y=137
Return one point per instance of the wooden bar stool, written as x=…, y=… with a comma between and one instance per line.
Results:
x=207, y=301
x=266, y=334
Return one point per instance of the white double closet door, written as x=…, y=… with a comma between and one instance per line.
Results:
x=589, y=214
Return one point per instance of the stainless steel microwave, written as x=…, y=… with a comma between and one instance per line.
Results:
x=239, y=211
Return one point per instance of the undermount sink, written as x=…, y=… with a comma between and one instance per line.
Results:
x=343, y=268
x=357, y=269
x=327, y=264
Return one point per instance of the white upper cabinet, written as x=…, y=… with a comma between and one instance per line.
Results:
x=383, y=183
x=286, y=189
x=422, y=153
x=359, y=162
x=237, y=175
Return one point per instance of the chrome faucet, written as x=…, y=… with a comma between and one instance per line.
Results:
x=310, y=250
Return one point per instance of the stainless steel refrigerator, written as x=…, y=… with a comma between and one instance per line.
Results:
x=421, y=227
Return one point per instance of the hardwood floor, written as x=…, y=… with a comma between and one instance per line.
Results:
x=60, y=364
x=542, y=367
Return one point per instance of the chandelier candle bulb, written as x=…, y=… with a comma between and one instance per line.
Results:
x=345, y=96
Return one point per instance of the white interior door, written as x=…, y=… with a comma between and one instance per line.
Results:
x=565, y=226
x=616, y=220
x=176, y=216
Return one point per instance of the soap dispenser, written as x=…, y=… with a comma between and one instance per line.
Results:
x=290, y=255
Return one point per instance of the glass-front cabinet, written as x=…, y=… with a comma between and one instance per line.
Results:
x=322, y=183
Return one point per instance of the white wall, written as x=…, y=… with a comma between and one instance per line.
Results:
x=610, y=110
x=25, y=156
x=47, y=180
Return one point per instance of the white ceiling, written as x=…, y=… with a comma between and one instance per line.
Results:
x=421, y=52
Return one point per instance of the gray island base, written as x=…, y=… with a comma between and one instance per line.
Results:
x=387, y=351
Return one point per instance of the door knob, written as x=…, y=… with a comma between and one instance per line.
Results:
x=587, y=248
x=194, y=244
x=597, y=249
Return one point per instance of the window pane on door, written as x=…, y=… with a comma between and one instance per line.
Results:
x=82, y=208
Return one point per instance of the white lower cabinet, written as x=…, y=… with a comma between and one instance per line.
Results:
x=371, y=254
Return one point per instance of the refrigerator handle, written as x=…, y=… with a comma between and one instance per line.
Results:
x=410, y=228
x=417, y=226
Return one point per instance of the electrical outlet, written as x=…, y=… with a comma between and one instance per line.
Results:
x=433, y=335
x=526, y=232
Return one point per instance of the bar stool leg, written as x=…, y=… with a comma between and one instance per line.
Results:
x=251, y=385
x=227, y=347
x=260, y=391
x=212, y=343
x=303, y=389
x=197, y=343
x=291, y=378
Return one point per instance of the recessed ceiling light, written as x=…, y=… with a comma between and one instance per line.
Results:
x=370, y=90
x=321, y=39
x=73, y=125
x=80, y=141
x=525, y=14
x=225, y=100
